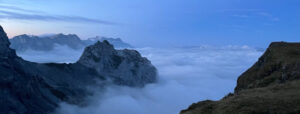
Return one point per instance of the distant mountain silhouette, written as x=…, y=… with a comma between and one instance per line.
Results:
x=48, y=42
x=116, y=42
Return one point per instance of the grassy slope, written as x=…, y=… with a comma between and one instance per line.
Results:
x=270, y=86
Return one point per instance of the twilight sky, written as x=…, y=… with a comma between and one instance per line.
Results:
x=158, y=22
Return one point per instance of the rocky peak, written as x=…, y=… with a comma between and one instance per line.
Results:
x=22, y=36
x=3, y=39
x=125, y=67
x=61, y=36
x=5, y=51
x=117, y=42
x=95, y=52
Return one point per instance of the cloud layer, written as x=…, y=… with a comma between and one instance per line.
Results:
x=187, y=75
x=60, y=54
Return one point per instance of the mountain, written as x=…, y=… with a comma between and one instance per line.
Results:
x=270, y=86
x=117, y=42
x=125, y=67
x=49, y=42
x=26, y=42
x=35, y=88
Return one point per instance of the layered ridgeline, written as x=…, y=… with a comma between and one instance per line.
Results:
x=33, y=88
x=270, y=86
x=47, y=43
x=116, y=42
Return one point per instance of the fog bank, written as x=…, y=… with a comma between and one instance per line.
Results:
x=186, y=75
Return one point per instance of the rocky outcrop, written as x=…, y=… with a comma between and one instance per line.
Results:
x=33, y=88
x=4, y=43
x=125, y=67
x=21, y=92
x=280, y=63
x=5, y=51
x=270, y=86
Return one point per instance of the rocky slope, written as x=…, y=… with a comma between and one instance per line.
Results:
x=32, y=88
x=25, y=42
x=270, y=86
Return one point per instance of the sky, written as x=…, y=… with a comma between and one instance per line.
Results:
x=158, y=23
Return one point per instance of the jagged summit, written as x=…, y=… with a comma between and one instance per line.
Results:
x=51, y=36
x=119, y=65
x=94, y=52
x=4, y=43
x=61, y=35
x=117, y=42
x=105, y=41
x=5, y=51
x=27, y=36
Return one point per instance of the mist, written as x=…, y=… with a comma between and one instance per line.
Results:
x=60, y=54
x=186, y=75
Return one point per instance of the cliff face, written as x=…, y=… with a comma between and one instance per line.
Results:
x=271, y=85
x=21, y=91
x=5, y=51
x=32, y=88
x=124, y=67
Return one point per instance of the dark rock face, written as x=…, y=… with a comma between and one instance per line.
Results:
x=270, y=86
x=125, y=67
x=3, y=39
x=21, y=91
x=4, y=45
x=32, y=88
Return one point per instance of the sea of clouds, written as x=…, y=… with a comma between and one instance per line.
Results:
x=186, y=75
x=60, y=54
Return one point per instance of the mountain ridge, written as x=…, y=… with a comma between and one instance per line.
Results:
x=48, y=42
x=36, y=88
